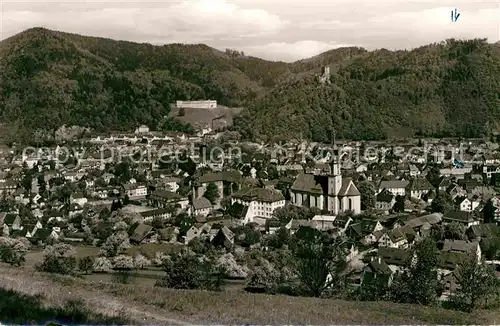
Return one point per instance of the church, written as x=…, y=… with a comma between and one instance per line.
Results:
x=326, y=190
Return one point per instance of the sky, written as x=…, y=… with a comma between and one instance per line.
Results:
x=286, y=30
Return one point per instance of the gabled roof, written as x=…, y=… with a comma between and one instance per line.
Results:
x=10, y=218
x=459, y=216
x=394, y=256
x=139, y=231
x=459, y=246
x=201, y=203
x=487, y=230
x=385, y=196
x=450, y=260
x=259, y=194
x=393, y=184
x=420, y=183
x=42, y=234
x=308, y=183
x=348, y=188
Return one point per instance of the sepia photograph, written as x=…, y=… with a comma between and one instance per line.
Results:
x=249, y=162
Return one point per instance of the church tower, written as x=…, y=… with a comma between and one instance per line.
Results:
x=335, y=178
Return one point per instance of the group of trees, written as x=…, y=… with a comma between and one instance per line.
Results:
x=384, y=94
x=419, y=283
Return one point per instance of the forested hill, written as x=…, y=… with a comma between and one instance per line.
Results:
x=446, y=89
x=49, y=78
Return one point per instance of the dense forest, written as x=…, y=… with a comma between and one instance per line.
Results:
x=446, y=89
x=49, y=79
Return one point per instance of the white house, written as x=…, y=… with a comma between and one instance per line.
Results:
x=142, y=129
x=261, y=202
x=396, y=187
x=201, y=206
x=134, y=190
x=393, y=239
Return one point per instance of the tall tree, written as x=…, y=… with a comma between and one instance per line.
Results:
x=367, y=191
x=211, y=193
x=418, y=283
x=321, y=264
x=477, y=283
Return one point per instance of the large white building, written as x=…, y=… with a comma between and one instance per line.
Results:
x=209, y=104
x=260, y=202
x=327, y=191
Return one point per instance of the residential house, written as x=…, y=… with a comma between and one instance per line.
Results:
x=138, y=232
x=396, y=187
x=368, y=230
x=223, y=238
x=393, y=239
x=201, y=206
x=461, y=246
x=324, y=222
x=395, y=258
x=11, y=220
x=135, y=190
x=163, y=199
x=79, y=199
x=464, y=204
x=377, y=269
x=466, y=218
x=385, y=200
x=43, y=235
x=418, y=187
x=8, y=187
x=227, y=183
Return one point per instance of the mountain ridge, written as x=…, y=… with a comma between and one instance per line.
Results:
x=51, y=78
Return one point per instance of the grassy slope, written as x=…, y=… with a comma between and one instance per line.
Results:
x=141, y=305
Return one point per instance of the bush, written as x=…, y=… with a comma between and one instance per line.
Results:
x=58, y=259
x=85, y=265
x=189, y=271
x=123, y=276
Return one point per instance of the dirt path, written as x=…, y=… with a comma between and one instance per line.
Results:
x=58, y=294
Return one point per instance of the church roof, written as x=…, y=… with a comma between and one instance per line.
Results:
x=348, y=188
x=307, y=183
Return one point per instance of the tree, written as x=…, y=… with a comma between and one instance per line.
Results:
x=122, y=262
x=418, y=282
x=489, y=212
x=455, y=231
x=442, y=203
x=367, y=195
x=116, y=244
x=399, y=205
x=141, y=261
x=186, y=270
x=321, y=264
x=13, y=251
x=434, y=176
x=247, y=236
x=211, y=193
x=477, y=283
x=102, y=265
x=59, y=259
x=86, y=265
